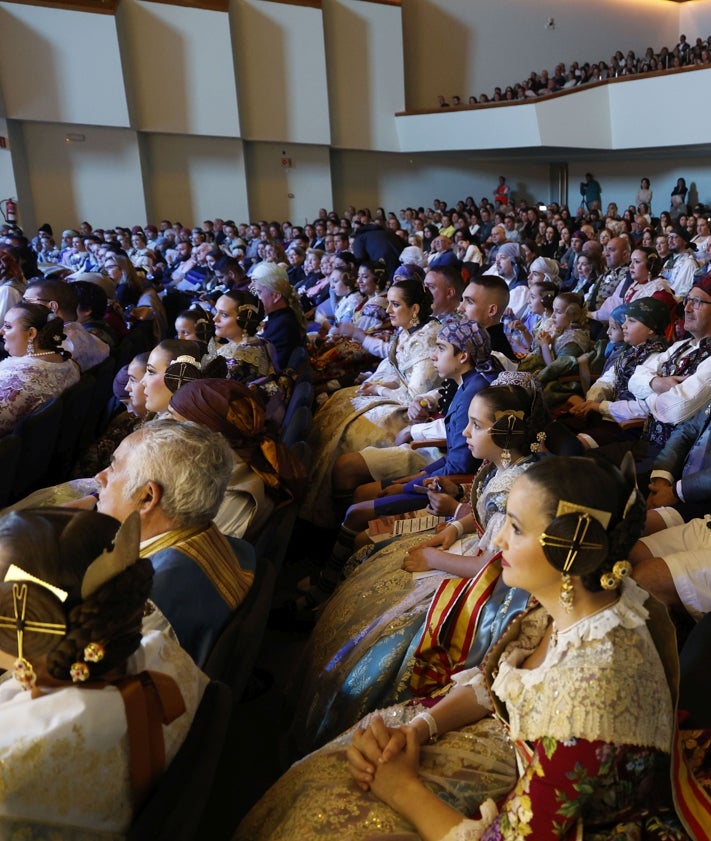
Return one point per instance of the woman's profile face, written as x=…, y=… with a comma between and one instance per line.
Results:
x=477, y=433
x=226, y=326
x=523, y=563
x=336, y=283
x=14, y=333
x=583, y=266
x=157, y=392
x=561, y=317
x=134, y=387
x=400, y=312
x=638, y=266
x=505, y=266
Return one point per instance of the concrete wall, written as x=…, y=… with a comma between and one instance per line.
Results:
x=194, y=178
x=366, y=76
x=61, y=66
x=98, y=179
x=281, y=67
x=179, y=69
x=288, y=181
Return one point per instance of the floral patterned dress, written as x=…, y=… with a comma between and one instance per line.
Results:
x=592, y=726
x=26, y=382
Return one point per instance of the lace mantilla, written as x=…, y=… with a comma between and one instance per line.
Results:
x=603, y=679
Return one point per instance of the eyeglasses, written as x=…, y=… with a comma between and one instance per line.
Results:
x=695, y=302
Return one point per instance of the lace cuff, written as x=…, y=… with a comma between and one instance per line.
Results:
x=469, y=830
x=474, y=679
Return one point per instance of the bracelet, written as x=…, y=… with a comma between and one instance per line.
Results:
x=431, y=723
x=458, y=525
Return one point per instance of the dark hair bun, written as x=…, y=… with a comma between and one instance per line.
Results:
x=576, y=541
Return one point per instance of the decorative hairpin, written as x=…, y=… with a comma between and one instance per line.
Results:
x=79, y=672
x=612, y=580
x=23, y=672
x=573, y=544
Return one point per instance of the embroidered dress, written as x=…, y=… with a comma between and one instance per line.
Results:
x=361, y=653
x=592, y=726
x=26, y=382
x=64, y=756
x=348, y=422
x=340, y=358
x=246, y=360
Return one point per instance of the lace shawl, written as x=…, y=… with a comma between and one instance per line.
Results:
x=601, y=680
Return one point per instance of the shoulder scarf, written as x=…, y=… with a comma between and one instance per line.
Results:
x=211, y=551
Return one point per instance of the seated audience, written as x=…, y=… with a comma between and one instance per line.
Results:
x=374, y=412
x=577, y=626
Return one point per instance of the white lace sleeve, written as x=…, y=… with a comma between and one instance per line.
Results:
x=469, y=830
x=474, y=679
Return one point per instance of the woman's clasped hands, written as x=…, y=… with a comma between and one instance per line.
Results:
x=383, y=759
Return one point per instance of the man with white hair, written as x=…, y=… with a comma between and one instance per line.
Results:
x=175, y=475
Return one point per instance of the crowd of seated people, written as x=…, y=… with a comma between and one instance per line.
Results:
x=484, y=322
x=563, y=78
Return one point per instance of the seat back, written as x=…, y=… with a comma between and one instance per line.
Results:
x=38, y=433
x=174, y=810
x=298, y=427
x=302, y=395
x=273, y=540
x=300, y=363
x=234, y=654
x=9, y=459
x=103, y=374
x=139, y=339
x=76, y=405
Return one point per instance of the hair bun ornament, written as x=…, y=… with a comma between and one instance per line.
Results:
x=612, y=580
x=507, y=426
x=79, y=672
x=575, y=543
x=182, y=370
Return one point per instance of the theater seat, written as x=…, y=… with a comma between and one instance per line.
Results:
x=174, y=810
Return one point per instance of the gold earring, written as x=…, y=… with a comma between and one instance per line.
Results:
x=567, y=592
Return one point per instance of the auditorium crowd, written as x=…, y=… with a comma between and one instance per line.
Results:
x=536, y=376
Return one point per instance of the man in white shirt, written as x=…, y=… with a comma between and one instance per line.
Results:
x=681, y=265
